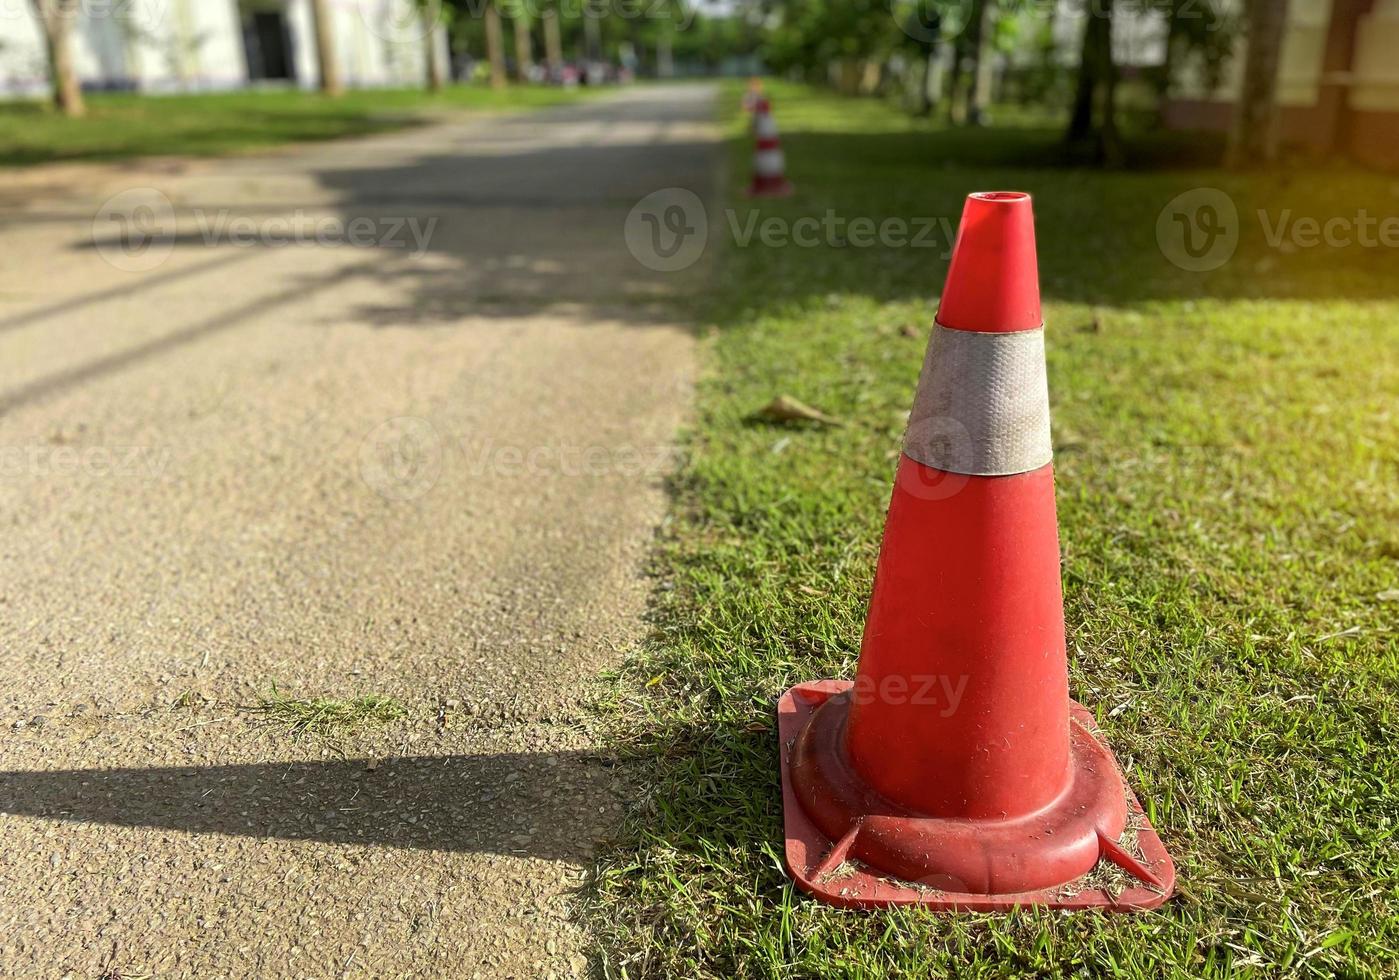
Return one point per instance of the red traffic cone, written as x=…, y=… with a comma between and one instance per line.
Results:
x=769, y=164
x=955, y=772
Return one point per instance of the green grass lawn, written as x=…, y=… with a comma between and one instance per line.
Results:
x=125, y=125
x=1227, y=455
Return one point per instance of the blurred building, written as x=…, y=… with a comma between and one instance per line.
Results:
x=1338, y=83
x=206, y=45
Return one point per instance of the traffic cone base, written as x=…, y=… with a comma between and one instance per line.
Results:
x=770, y=187
x=954, y=771
x=850, y=847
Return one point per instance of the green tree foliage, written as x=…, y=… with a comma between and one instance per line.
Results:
x=694, y=39
x=806, y=37
x=1201, y=31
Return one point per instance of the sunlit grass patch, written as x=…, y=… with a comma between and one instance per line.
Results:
x=120, y=125
x=1227, y=460
x=326, y=717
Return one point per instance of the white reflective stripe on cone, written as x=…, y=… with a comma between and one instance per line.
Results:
x=982, y=406
x=769, y=163
x=765, y=127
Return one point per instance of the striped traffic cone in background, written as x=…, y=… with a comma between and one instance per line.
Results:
x=752, y=94
x=769, y=165
x=955, y=770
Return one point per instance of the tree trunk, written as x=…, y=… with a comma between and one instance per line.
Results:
x=979, y=94
x=495, y=46
x=871, y=77
x=56, y=19
x=553, y=41
x=1337, y=62
x=1081, y=118
x=954, y=77
x=592, y=36
x=1172, y=53
x=928, y=96
x=436, y=64
x=1254, y=139
x=1093, y=124
x=1110, y=152
x=665, y=55
x=524, y=53
x=325, y=48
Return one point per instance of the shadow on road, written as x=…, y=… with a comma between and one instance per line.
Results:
x=520, y=804
x=190, y=333
x=528, y=214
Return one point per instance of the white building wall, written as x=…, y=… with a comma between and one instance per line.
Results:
x=156, y=45
x=1138, y=31
x=1377, y=59
x=1299, y=70
x=23, y=67
x=380, y=43
x=187, y=45
x=303, y=42
x=197, y=45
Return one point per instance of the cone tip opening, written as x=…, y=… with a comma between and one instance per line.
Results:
x=1000, y=197
x=993, y=280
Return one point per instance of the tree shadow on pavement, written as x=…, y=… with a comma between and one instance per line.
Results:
x=544, y=805
x=518, y=218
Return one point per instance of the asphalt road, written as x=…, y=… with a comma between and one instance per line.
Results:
x=384, y=417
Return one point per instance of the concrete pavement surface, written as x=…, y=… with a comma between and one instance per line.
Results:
x=385, y=417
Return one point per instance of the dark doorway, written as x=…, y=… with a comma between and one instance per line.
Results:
x=268, y=44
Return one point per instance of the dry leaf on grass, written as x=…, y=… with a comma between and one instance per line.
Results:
x=785, y=408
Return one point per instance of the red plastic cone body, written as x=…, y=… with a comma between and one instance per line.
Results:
x=955, y=770
x=993, y=282
x=983, y=643
x=967, y=599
